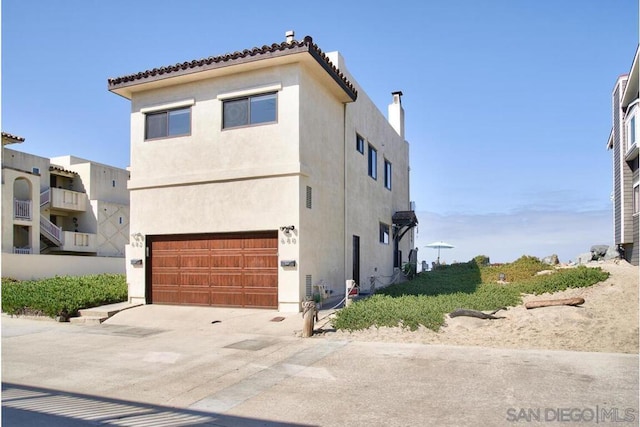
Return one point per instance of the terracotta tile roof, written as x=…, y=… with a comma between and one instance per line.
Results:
x=61, y=170
x=256, y=53
x=12, y=138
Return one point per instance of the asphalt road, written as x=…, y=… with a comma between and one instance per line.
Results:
x=179, y=366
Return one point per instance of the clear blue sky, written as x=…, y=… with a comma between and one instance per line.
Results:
x=508, y=102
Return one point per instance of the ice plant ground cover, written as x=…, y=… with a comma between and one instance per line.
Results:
x=426, y=299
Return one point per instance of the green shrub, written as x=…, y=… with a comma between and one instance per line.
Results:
x=62, y=295
x=426, y=299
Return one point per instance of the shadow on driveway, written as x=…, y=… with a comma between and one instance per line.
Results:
x=35, y=406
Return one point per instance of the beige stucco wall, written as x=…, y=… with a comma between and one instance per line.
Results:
x=255, y=178
x=214, y=180
x=369, y=202
x=112, y=231
x=100, y=217
x=97, y=179
x=9, y=176
x=31, y=267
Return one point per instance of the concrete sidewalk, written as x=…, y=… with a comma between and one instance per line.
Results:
x=209, y=366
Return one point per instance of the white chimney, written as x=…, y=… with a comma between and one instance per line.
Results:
x=396, y=113
x=289, y=36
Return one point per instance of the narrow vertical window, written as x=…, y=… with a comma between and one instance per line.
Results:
x=373, y=162
x=632, y=131
x=113, y=183
x=359, y=144
x=309, y=198
x=636, y=199
x=384, y=233
x=387, y=174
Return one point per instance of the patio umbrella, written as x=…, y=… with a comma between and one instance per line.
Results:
x=438, y=246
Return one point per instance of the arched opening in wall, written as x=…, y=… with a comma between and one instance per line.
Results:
x=22, y=203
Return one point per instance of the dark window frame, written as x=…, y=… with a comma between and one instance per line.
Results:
x=359, y=143
x=248, y=100
x=167, y=131
x=387, y=174
x=372, y=162
x=384, y=237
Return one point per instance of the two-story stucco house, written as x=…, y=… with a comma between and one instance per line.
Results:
x=62, y=206
x=258, y=174
x=623, y=141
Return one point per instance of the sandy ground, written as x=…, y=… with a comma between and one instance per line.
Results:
x=606, y=322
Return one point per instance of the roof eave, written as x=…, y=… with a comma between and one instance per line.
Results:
x=631, y=91
x=211, y=67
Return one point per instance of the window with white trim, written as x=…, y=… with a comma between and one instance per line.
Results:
x=632, y=131
x=249, y=110
x=162, y=124
x=636, y=199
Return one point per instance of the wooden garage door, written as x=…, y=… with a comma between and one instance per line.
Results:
x=231, y=270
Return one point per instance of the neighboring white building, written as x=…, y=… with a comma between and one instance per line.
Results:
x=258, y=174
x=62, y=206
x=623, y=141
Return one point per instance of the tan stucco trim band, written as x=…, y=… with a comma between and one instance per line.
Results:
x=219, y=176
x=169, y=106
x=252, y=91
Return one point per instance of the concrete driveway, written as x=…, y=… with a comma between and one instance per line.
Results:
x=174, y=366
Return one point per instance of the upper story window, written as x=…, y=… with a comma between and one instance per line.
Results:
x=249, y=110
x=359, y=144
x=632, y=131
x=636, y=199
x=387, y=174
x=373, y=162
x=161, y=124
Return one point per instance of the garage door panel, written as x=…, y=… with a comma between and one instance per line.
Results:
x=260, y=243
x=166, y=296
x=237, y=270
x=186, y=245
x=260, y=261
x=226, y=261
x=256, y=300
x=194, y=279
x=166, y=278
x=226, y=279
x=195, y=297
x=230, y=298
x=226, y=244
x=166, y=260
x=261, y=281
x=195, y=261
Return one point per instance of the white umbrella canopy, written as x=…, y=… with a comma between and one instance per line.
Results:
x=439, y=245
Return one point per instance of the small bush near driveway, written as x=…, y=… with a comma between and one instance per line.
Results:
x=62, y=296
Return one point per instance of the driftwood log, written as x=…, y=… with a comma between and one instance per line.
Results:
x=552, y=302
x=475, y=313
